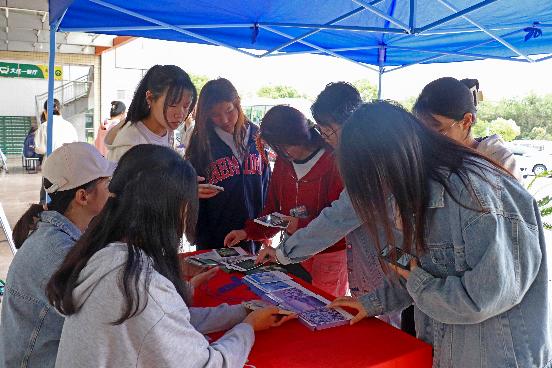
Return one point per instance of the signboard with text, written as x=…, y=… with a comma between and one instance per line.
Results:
x=16, y=70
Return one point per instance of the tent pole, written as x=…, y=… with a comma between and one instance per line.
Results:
x=381, y=62
x=169, y=26
x=380, y=75
x=426, y=60
x=283, y=34
x=51, y=74
x=383, y=15
x=458, y=14
x=308, y=34
x=486, y=31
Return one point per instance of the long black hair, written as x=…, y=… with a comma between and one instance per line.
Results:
x=386, y=153
x=154, y=203
x=158, y=80
x=447, y=97
x=59, y=202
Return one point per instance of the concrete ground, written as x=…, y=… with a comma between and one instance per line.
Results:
x=18, y=189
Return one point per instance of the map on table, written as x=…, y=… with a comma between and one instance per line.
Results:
x=278, y=289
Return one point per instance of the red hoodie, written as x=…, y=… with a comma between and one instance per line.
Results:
x=316, y=190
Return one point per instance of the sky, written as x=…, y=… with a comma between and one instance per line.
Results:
x=310, y=73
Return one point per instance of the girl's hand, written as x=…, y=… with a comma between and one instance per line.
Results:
x=350, y=302
x=267, y=254
x=265, y=318
x=234, y=237
x=293, y=224
x=204, y=192
x=401, y=271
x=203, y=277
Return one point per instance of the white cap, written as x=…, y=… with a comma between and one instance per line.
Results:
x=75, y=164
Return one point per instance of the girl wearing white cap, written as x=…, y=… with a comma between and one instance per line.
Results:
x=76, y=177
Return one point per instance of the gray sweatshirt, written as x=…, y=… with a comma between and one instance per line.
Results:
x=166, y=333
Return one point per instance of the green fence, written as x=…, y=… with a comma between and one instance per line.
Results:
x=13, y=130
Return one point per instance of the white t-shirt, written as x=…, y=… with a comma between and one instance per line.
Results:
x=228, y=138
x=303, y=169
x=62, y=132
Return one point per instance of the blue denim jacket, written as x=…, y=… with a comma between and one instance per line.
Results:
x=333, y=223
x=481, y=289
x=30, y=327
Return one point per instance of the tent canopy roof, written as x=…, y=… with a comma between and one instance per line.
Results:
x=386, y=33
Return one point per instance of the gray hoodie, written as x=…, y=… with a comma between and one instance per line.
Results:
x=166, y=333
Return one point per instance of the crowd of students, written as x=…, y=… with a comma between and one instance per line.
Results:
x=97, y=279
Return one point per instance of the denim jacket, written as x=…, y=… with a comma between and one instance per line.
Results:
x=481, y=289
x=333, y=223
x=30, y=327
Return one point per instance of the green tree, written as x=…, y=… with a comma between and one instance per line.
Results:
x=528, y=112
x=279, y=91
x=507, y=129
x=367, y=90
x=199, y=81
x=408, y=103
x=481, y=128
x=539, y=133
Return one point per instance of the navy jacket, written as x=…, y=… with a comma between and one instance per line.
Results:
x=245, y=188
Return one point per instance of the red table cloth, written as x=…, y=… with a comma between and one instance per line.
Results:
x=369, y=343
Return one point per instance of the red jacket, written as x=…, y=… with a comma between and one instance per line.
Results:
x=316, y=190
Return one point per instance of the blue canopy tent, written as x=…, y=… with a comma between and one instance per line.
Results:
x=381, y=35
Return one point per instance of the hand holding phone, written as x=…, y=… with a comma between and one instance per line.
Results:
x=396, y=256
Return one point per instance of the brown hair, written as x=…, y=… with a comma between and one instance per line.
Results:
x=213, y=92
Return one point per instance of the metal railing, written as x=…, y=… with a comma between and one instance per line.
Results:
x=66, y=93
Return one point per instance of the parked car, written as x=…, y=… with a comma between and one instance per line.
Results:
x=530, y=160
x=536, y=144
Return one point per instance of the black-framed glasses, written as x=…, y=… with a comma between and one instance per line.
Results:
x=322, y=130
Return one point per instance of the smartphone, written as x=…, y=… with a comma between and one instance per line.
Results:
x=214, y=187
x=403, y=258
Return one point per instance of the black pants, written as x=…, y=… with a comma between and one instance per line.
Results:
x=407, y=321
x=42, y=193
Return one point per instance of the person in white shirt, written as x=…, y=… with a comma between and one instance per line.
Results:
x=62, y=131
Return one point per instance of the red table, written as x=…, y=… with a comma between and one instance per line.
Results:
x=369, y=343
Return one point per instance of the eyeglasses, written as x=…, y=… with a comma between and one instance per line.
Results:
x=322, y=131
x=445, y=131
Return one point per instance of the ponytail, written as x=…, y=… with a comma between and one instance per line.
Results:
x=59, y=203
x=26, y=224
